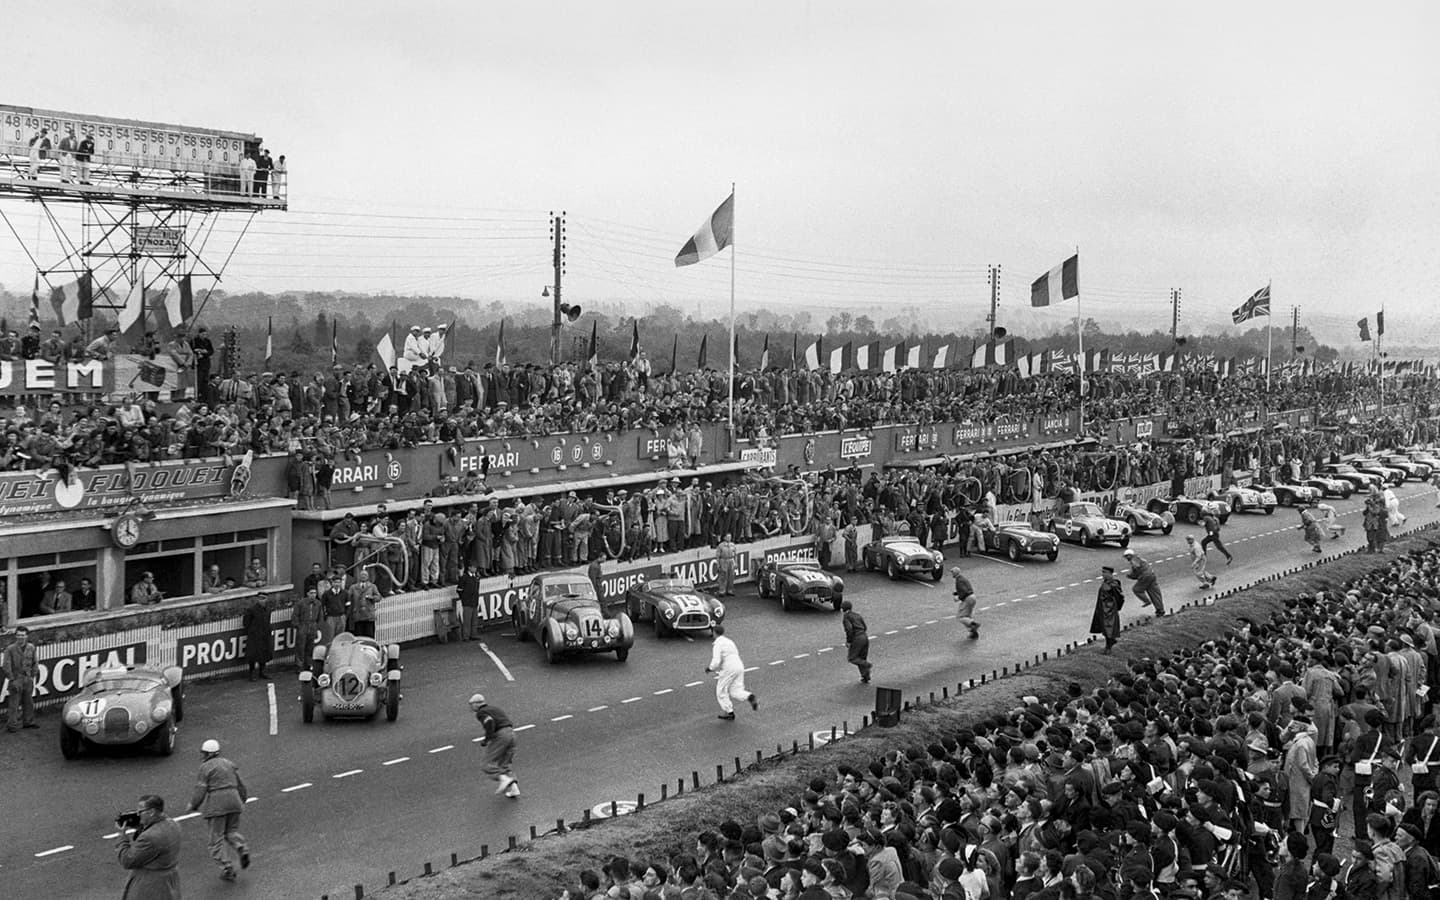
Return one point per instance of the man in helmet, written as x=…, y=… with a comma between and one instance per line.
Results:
x=220, y=797
x=1147, y=586
x=499, y=744
x=965, y=596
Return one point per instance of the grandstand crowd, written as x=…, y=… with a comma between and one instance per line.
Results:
x=1225, y=771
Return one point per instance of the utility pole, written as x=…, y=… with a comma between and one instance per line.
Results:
x=1294, y=331
x=1174, y=315
x=994, y=298
x=557, y=235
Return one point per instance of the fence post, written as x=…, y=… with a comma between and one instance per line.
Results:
x=640, y=802
x=559, y=826
x=484, y=851
x=719, y=773
x=533, y=833
x=428, y=871
x=514, y=842
x=664, y=791
x=359, y=891
x=695, y=777
x=391, y=879
x=614, y=809
x=454, y=860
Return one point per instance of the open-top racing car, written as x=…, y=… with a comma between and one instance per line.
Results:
x=1141, y=519
x=1412, y=467
x=353, y=678
x=1330, y=485
x=1086, y=523
x=1241, y=498
x=1016, y=539
x=799, y=583
x=1387, y=474
x=1361, y=481
x=673, y=604
x=1289, y=494
x=1189, y=509
x=902, y=555
x=562, y=611
x=124, y=705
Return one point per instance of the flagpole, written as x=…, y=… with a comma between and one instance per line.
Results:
x=732, y=315
x=1269, y=321
x=1079, y=346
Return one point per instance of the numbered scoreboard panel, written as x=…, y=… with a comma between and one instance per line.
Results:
x=144, y=144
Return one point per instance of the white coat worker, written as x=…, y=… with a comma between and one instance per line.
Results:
x=726, y=664
x=417, y=347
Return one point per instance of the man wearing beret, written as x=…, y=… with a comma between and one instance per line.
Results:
x=1108, y=601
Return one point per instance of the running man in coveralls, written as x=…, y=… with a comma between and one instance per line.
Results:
x=725, y=662
x=499, y=744
x=965, y=596
x=857, y=639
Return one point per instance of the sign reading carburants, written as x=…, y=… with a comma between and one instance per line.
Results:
x=61, y=674
x=24, y=493
x=765, y=456
x=226, y=649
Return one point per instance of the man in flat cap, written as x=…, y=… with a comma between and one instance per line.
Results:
x=1108, y=601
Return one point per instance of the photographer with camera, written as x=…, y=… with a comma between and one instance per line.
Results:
x=149, y=849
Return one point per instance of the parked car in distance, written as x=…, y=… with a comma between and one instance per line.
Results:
x=1016, y=539
x=673, y=604
x=1242, y=498
x=800, y=583
x=1288, y=494
x=1190, y=509
x=1330, y=485
x=1142, y=520
x=1086, y=523
x=1359, y=480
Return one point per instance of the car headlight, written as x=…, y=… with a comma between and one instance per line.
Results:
x=669, y=612
x=72, y=716
x=718, y=612
x=938, y=557
x=160, y=713
x=612, y=628
x=141, y=726
x=377, y=679
x=323, y=680
x=571, y=631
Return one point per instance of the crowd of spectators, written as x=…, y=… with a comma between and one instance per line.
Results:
x=364, y=407
x=1223, y=771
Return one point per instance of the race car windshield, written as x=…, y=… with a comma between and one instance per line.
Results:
x=114, y=685
x=670, y=584
x=1084, y=509
x=569, y=588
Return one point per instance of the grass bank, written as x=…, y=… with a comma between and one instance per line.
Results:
x=539, y=869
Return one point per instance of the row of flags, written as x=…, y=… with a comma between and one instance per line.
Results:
x=1364, y=326
x=143, y=308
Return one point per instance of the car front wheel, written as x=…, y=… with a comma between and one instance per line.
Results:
x=307, y=702
x=165, y=740
x=660, y=628
x=1192, y=515
x=892, y=570
x=622, y=654
x=520, y=633
x=1125, y=541
x=1012, y=551
x=69, y=742
x=1053, y=555
x=1269, y=510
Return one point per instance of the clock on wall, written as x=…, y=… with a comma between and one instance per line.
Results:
x=125, y=530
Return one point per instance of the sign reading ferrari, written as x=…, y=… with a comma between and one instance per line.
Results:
x=23, y=492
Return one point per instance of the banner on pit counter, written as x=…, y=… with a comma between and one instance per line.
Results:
x=373, y=469
x=61, y=675
x=765, y=456
x=921, y=440
x=24, y=492
x=201, y=653
x=855, y=446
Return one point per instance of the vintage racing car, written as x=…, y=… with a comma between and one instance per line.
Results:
x=901, y=555
x=1359, y=480
x=1249, y=499
x=1016, y=539
x=1189, y=509
x=1386, y=474
x=562, y=611
x=1141, y=519
x=1086, y=523
x=797, y=583
x=124, y=705
x=1412, y=467
x=1330, y=486
x=1287, y=494
x=351, y=679
x=673, y=604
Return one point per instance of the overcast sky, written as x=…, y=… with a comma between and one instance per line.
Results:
x=885, y=153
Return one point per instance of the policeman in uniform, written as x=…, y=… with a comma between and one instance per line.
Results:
x=220, y=797
x=725, y=557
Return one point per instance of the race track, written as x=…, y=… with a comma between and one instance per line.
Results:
x=339, y=804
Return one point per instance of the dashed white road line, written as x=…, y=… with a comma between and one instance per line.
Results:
x=777, y=662
x=824, y=649
x=800, y=656
x=1031, y=596
x=693, y=683
x=109, y=837
x=496, y=660
x=441, y=749
x=561, y=718
x=931, y=621
x=399, y=759
x=185, y=816
x=911, y=627
x=893, y=631
x=597, y=708
x=296, y=787
x=661, y=693
x=347, y=774
x=274, y=718
x=53, y=850
x=753, y=669
x=632, y=700
x=523, y=727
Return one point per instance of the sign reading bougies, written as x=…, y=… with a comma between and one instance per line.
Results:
x=62, y=675
x=226, y=649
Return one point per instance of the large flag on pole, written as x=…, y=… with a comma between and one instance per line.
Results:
x=500, y=346
x=735, y=351
x=386, y=349
x=1380, y=323
x=1060, y=283
x=867, y=356
x=35, y=304
x=912, y=357
x=674, y=354
x=794, y=352
x=334, y=341
x=842, y=358
x=704, y=348
x=594, y=345
x=942, y=356
x=1364, y=329
x=134, y=309
x=893, y=357
x=765, y=354
x=1257, y=305
x=180, y=305
x=715, y=234
x=269, y=340
x=812, y=355
x=634, y=340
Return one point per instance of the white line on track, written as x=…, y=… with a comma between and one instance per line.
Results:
x=523, y=727
x=597, y=708
x=496, y=660
x=951, y=616
x=398, y=760
x=1031, y=596
x=824, y=649
x=1001, y=602
x=347, y=774
x=252, y=800
x=111, y=836
x=693, y=683
x=911, y=627
x=1051, y=591
x=296, y=787
x=982, y=609
x=186, y=816
x=561, y=718
x=688, y=638
x=663, y=692
x=800, y=656
x=274, y=719
x=633, y=700
x=931, y=621
x=777, y=662
x=893, y=631
x=441, y=749
x=53, y=850
x=753, y=669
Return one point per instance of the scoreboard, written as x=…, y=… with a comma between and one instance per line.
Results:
x=128, y=141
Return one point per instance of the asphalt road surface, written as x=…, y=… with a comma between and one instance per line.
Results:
x=344, y=803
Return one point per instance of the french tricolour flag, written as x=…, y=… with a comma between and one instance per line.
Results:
x=715, y=234
x=1060, y=283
